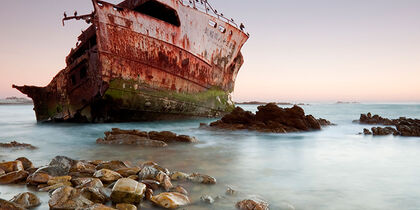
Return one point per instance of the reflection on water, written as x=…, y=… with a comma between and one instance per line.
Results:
x=331, y=169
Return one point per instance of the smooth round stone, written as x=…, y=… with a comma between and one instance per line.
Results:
x=128, y=191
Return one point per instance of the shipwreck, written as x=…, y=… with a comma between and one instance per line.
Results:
x=145, y=60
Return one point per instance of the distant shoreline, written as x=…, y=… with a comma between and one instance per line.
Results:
x=16, y=101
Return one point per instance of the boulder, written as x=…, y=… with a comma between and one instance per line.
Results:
x=164, y=180
x=11, y=166
x=378, y=131
x=27, y=164
x=27, y=200
x=367, y=131
x=170, y=200
x=87, y=182
x=13, y=177
x=59, y=179
x=82, y=168
x=179, y=176
x=202, y=178
x=60, y=166
x=128, y=191
x=126, y=172
x=252, y=205
x=107, y=176
x=96, y=195
x=17, y=145
x=148, y=172
x=126, y=206
x=38, y=177
x=7, y=205
x=149, y=194
x=68, y=198
x=151, y=184
x=375, y=120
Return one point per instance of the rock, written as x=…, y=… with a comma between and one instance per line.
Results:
x=128, y=191
x=54, y=187
x=164, y=180
x=87, y=182
x=170, y=137
x=82, y=167
x=186, y=139
x=25, y=162
x=367, y=132
x=170, y=200
x=112, y=165
x=324, y=122
x=60, y=166
x=99, y=206
x=126, y=172
x=59, y=179
x=378, y=131
x=17, y=145
x=134, y=177
x=128, y=139
x=252, y=205
x=12, y=166
x=409, y=127
x=181, y=190
x=375, y=120
x=149, y=194
x=126, y=206
x=270, y=118
x=231, y=191
x=68, y=198
x=106, y=175
x=2, y=172
x=207, y=199
x=95, y=195
x=13, y=177
x=7, y=205
x=39, y=177
x=151, y=184
x=27, y=200
x=177, y=176
x=201, y=178
x=148, y=172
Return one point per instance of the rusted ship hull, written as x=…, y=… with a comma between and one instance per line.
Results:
x=135, y=64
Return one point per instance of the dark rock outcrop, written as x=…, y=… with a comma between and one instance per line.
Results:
x=270, y=118
x=147, y=139
x=16, y=145
x=404, y=126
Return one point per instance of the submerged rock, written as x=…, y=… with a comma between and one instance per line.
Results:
x=128, y=139
x=17, y=145
x=68, y=198
x=27, y=200
x=270, y=118
x=128, y=191
x=170, y=200
x=207, y=199
x=202, y=178
x=252, y=205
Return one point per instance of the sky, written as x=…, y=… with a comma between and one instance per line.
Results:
x=299, y=50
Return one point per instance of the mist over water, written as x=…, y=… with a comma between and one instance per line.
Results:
x=331, y=169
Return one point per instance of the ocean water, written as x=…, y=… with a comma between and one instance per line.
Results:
x=332, y=169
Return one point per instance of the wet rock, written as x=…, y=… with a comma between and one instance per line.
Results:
x=27, y=200
x=202, y=178
x=39, y=177
x=128, y=191
x=127, y=139
x=126, y=206
x=134, y=177
x=27, y=164
x=164, y=180
x=207, y=199
x=2, y=172
x=148, y=172
x=170, y=137
x=149, y=194
x=99, y=206
x=59, y=179
x=151, y=184
x=95, y=195
x=375, y=120
x=231, y=191
x=7, y=205
x=13, y=177
x=171, y=200
x=270, y=118
x=82, y=168
x=68, y=198
x=50, y=188
x=112, y=165
x=378, y=131
x=181, y=190
x=11, y=166
x=116, y=131
x=17, y=145
x=324, y=122
x=126, y=172
x=106, y=175
x=60, y=166
x=87, y=182
x=252, y=205
x=409, y=127
x=177, y=176
x=367, y=132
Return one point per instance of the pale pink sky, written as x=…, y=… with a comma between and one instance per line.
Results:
x=299, y=50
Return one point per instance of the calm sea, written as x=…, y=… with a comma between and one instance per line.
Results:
x=331, y=169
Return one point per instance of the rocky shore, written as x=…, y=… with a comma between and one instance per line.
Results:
x=143, y=138
x=403, y=126
x=269, y=118
x=102, y=185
